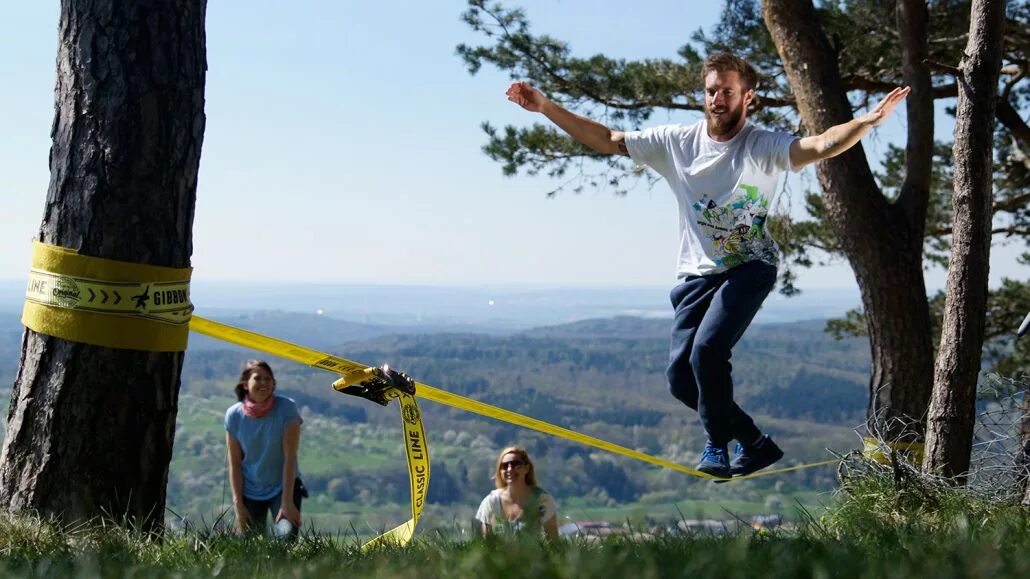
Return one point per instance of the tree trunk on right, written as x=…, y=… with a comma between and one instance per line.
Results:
x=888, y=265
x=953, y=406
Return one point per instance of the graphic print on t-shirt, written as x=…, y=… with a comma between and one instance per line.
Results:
x=737, y=227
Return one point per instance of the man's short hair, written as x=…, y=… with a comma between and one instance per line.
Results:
x=725, y=61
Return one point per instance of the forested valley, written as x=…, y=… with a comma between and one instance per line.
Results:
x=601, y=377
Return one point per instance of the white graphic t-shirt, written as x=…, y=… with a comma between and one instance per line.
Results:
x=723, y=190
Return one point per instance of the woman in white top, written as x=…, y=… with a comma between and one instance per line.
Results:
x=517, y=504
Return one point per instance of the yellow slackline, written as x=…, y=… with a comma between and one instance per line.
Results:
x=882, y=452
x=116, y=304
x=342, y=366
x=107, y=303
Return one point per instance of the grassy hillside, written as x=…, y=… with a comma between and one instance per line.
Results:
x=600, y=377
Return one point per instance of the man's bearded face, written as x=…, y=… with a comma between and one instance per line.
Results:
x=726, y=102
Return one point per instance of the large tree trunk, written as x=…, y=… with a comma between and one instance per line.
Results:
x=889, y=264
x=953, y=407
x=90, y=428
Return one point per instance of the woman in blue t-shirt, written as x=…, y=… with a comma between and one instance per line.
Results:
x=262, y=433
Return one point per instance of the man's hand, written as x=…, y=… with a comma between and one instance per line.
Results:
x=526, y=96
x=840, y=138
x=880, y=112
x=587, y=132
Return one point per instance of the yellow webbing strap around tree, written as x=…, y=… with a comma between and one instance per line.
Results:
x=104, y=302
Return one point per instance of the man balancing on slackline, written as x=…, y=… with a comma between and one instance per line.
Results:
x=723, y=171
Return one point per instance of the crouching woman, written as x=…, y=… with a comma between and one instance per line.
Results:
x=262, y=433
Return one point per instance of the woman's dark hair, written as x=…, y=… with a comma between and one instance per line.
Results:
x=248, y=369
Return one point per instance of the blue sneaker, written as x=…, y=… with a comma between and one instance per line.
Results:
x=715, y=461
x=755, y=457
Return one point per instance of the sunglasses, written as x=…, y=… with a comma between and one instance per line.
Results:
x=511, y=464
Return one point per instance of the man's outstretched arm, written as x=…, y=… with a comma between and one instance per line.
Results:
x=590, y=133
x=840, y=138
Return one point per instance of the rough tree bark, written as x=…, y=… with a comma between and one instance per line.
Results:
x=953, y=406
x=889, y=265
x=89, y=428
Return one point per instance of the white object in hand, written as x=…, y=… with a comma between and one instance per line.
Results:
x=284, y=528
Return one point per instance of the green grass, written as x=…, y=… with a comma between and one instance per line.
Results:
x=998, y=548
x=880, y=506
x=878, y=525
x=579, y=509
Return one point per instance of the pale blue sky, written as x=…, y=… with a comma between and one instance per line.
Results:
x=343, y=145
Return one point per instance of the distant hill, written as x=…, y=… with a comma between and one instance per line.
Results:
x=619, y=327
x=312, y=330
x=630, y=327
x=791, y=370
x=596, y=371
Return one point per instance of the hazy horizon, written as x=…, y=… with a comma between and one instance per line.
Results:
x=497, y=307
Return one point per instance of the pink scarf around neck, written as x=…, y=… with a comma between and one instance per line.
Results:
x=258, y=409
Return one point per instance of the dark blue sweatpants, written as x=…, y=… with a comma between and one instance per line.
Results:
x=712, y=312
